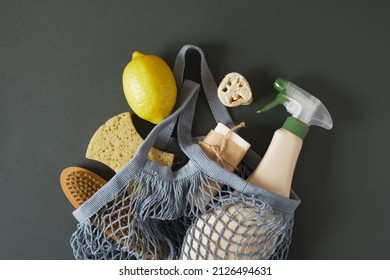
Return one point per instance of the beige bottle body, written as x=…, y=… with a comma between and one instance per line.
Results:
x=276, y=169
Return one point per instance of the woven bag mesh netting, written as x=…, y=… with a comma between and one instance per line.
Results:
x=236, y=226
x=190, y=218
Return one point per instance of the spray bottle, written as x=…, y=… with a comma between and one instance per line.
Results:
x=275, y=171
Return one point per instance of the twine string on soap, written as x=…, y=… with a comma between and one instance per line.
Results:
x=218, y=151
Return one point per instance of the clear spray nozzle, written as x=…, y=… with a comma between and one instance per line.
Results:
x=300, y=104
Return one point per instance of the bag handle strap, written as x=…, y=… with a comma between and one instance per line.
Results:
x=219, y=111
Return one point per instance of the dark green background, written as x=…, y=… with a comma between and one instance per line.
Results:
x=61, y=66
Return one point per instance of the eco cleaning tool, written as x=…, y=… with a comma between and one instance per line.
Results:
x=116, y=142
x=234, y=90
x=79, y=184
x=276, y=169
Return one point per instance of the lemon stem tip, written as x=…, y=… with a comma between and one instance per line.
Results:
x=137, y=54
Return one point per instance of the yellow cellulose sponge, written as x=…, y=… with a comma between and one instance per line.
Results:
x=116, y=142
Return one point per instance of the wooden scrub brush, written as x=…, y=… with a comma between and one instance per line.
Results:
x=79, y=184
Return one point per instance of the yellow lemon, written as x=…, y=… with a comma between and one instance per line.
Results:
x=149, y=87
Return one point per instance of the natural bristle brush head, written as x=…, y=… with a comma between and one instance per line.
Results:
x=79, y=184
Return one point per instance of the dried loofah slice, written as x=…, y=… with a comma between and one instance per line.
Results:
x=234, y=90
x=116, y=142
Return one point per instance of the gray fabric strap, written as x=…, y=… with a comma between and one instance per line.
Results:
x=121, y=179
x=218, y=110
x=221, y=175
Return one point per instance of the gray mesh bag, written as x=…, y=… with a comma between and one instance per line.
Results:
x=194, y=210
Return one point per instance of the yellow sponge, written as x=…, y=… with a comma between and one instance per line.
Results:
x=116, y=142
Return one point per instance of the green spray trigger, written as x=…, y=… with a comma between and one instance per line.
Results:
x=279, y=99
x=280, y=85
x=300, y=104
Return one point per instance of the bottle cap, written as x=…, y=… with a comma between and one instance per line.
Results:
x=296, y=127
